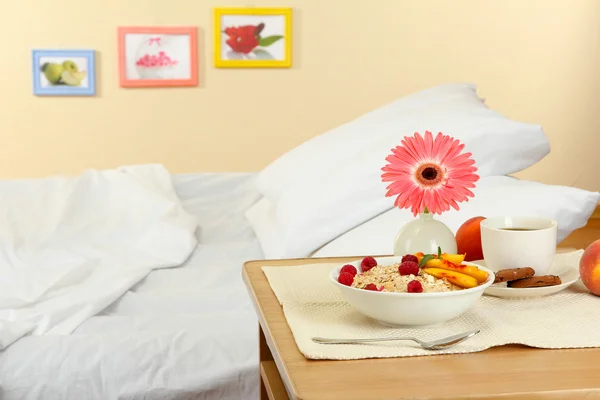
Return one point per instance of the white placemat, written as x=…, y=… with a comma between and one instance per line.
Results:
x=313, y=306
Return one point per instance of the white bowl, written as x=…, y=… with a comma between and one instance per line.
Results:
x=410, y=309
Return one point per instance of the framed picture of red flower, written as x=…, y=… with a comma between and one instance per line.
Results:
x=253, y=37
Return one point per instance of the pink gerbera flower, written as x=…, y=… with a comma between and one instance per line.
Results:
x=429, y=175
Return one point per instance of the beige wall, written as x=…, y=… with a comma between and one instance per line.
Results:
x=534, y=60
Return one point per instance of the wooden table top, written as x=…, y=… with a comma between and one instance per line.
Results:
x=507, y=372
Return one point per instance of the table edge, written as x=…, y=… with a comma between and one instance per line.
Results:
x=282, y=368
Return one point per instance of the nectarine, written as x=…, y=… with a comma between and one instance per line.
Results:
x=468, y=239
x=453, y=258
x=454, y=277
x=589, y=267
x=470, y=270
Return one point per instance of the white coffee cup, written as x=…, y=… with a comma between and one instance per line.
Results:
x=517, y=242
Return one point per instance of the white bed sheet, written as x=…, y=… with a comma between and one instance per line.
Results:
x=182, y=333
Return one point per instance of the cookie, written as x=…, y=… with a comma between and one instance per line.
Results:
x=535, y=281
x=512, y=274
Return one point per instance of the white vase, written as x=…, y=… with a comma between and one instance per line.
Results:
x=424, y=234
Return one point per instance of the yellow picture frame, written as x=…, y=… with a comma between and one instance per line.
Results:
x=246, y=51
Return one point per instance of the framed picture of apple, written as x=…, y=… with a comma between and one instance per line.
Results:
x=253, y=37
x=64, y=73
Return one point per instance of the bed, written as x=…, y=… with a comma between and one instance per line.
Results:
x=181, y=333
x=180, y=324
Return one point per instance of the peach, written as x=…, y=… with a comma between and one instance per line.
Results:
x=453, y=258
x=468, y=239
x=419, y=256
x=470, y=270
x=589, y=267
x=454, y=277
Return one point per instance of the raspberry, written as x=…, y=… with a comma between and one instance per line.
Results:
x=367, y=263
x=371, y=286
x=408, y=268
x=349, y=269
x=346, y=279
x=414, y=287
x=410, y=257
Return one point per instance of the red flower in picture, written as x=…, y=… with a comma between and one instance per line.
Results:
x=243, y=39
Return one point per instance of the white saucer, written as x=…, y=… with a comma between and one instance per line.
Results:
x=569, y=274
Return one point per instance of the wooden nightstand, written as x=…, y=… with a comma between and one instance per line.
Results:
x=507, y=372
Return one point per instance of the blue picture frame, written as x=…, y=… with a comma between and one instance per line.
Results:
x=42, y=85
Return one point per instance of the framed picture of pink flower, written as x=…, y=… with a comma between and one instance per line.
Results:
x=253, y=37
x=158, y=56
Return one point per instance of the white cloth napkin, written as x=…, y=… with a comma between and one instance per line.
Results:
x=313, y=306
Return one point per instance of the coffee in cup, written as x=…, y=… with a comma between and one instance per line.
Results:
x=517, y=242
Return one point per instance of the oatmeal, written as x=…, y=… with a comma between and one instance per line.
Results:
x=387, y=279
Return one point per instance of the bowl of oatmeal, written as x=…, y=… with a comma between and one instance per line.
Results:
x=398, y=294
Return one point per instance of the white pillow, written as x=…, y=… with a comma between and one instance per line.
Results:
x=261, y=217
x=494, y=196
x=499, y=145
x=332, y=183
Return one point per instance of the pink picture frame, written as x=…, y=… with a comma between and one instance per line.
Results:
x=158, y=56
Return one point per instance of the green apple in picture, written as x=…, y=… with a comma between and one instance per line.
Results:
x=52, y=72
x=72, y=78
x=69, y=65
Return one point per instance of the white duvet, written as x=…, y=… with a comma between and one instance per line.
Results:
x=69, y=247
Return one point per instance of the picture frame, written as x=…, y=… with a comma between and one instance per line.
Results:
x=252, y=37
x=58, y=72
x=151, y=56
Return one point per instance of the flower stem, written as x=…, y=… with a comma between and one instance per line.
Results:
x=425, y=211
